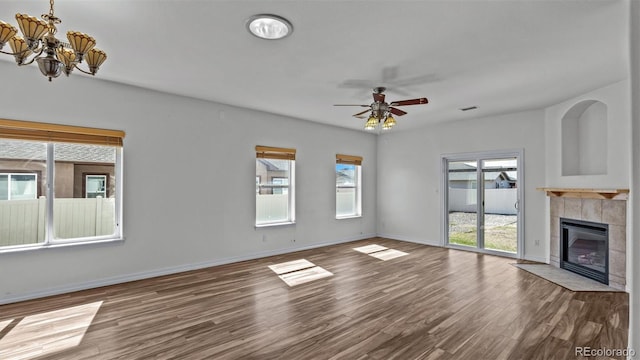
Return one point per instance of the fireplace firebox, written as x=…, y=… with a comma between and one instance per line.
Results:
x=584, y=248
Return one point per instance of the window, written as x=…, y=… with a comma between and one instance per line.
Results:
x=348, y=186
x=275, y=170
x=95, y=185
x=18, y=186
x=280, y=185
x=58, y=184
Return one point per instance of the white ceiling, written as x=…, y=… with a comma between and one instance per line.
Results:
x=502, y=56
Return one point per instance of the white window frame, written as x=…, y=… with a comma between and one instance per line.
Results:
x=444, y=197
x=9, y=175
x=50, y=241
x=290, y=187
x=86, y=182
x=358, y=193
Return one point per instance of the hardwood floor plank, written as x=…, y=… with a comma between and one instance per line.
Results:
x=434, y=303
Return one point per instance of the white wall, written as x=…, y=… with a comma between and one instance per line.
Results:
x=616, y=99
x=622, y=148
x=189, y=182
x=409, y=165
x=633, y=220
x=584, y=139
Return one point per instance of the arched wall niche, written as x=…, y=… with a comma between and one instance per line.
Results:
x=584, y=139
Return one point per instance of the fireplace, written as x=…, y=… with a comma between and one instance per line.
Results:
x=584, y=248
x=607, y=208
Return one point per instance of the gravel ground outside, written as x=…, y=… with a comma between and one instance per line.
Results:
x=464, y=222
x=500, y=230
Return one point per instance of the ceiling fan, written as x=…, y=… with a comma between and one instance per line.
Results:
x=381, y=110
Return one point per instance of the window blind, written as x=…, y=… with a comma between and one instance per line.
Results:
x=270, y=152
x=37, y=131
x=348, y=159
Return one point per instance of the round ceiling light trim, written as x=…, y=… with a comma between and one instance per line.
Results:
x=269, y=26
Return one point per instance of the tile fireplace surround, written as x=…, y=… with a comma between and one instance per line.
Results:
x=606, y=211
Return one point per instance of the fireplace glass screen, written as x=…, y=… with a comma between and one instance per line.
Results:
x=585, y=249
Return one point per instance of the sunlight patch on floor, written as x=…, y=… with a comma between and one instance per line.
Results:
x=298, y=272
x=46, y=333
x=368, y=249
x=290, y=266
x=5, y=323
x=305, y=276
x=380, y=252
x=388, y=254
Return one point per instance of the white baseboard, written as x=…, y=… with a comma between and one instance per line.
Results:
x=437, y=243
x=410, y=239
x=167, y=271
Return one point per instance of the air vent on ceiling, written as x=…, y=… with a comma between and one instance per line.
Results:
x=469, y=108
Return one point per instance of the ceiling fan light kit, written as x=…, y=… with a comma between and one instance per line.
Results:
x=389, y=123
x=52, y=55
x=371, y=124
x=381, y=111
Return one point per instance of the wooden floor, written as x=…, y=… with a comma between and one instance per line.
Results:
x=434, y=303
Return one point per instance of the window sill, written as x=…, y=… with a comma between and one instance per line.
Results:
x=275, y=224
x=36, y=247
x=348, y=217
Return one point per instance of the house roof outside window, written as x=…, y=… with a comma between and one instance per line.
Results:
x=10, y=149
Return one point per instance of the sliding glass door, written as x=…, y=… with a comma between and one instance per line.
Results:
x=482, y=202
x=500, y=199
x=463, y=202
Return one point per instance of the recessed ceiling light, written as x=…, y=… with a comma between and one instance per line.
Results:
x=269, y=27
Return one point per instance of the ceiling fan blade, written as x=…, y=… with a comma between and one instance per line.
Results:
x=358, y=84
x=360, y=113
x=351, y=105
x=396, y=112
x=422, y=79
x=410, y=102
x=378, y=97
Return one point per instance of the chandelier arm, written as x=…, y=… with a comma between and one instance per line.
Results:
x=82, y=71
x=10, y=53
x=21, y=52
x=33, y=59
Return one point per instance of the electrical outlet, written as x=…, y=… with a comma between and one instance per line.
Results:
x=264, y=237
x=537, y=242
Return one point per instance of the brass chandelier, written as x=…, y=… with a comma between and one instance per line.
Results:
x=52, y=55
